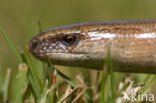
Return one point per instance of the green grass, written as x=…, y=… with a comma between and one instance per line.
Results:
x=38, y=82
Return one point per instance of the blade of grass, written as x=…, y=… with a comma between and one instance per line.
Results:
x=20, y=84
x=44, y=93
x=10, y=44
x=34, y=81
x=35, y=90
x=51, y=95
x=39, y=27
x=87, y=80
x=111, y=75
x=6, y=85
x=103, y=83
x=103, y=95
x=52, y=89
x=150, y=81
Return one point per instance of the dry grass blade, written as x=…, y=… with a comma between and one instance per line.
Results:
x=69, y=94
x=79, y=95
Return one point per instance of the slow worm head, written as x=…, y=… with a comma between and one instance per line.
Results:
x=132, y=45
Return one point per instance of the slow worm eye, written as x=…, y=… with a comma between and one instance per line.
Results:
x=34, y=45
x=70, y=39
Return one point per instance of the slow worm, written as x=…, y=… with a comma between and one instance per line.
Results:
x=132, y=45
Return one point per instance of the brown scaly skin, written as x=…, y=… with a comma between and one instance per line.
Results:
x=132, y=45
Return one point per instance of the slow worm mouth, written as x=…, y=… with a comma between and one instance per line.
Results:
x=63, y=53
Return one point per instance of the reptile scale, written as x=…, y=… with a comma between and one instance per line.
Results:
x=132, y=45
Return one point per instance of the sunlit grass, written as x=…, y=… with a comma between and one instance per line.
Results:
x=37, y=82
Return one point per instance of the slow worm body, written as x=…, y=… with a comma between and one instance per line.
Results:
x=132, y=45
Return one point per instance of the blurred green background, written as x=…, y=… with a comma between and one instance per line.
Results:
x=20, y=17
